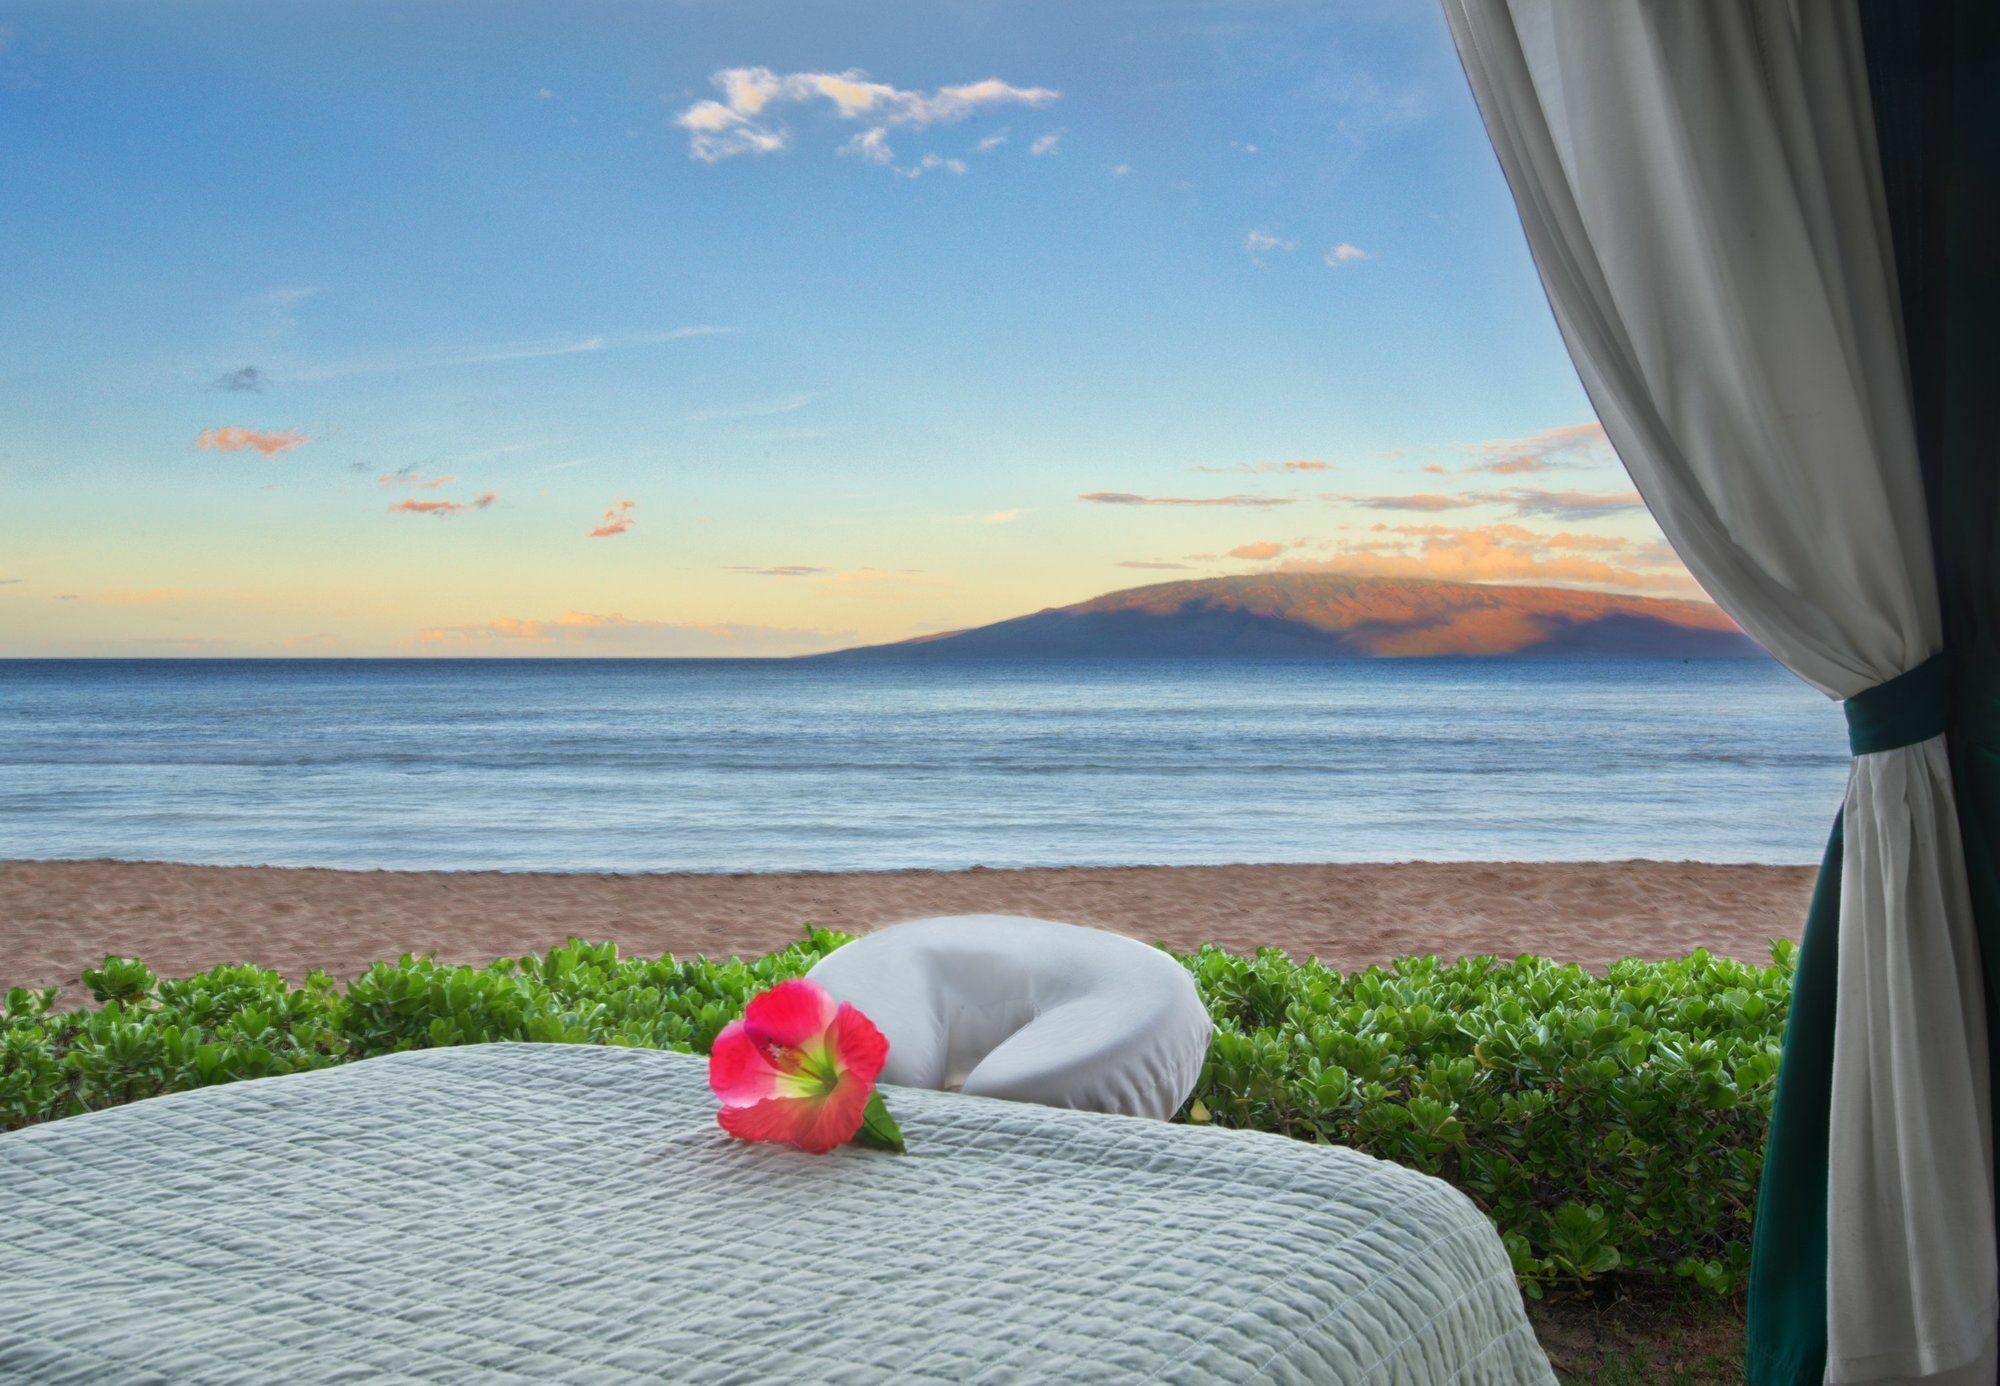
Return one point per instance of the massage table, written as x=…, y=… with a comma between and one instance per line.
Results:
x=571, y=1213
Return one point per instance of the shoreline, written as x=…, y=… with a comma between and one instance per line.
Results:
x=58, y=917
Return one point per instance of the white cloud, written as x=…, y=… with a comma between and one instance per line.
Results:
x=518, y=351
x=272, y=316
x=1120, y=170
x=929, y=163
x=765, y=409
x=1046, y=144
x=991, y=142
x=1345, y=254
x=1261, y=243
x=744, y=121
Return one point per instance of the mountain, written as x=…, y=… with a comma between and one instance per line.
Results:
x=1334, y=616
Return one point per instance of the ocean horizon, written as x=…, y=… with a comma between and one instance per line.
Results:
x=639, y=765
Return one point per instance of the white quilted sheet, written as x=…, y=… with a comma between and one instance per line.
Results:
x=567, y=1213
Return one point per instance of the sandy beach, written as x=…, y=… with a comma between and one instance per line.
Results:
x=57, y=918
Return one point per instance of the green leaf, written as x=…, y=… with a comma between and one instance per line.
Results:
x=878, y=1128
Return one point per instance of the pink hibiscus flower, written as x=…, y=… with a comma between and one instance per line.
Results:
x=800, y=1068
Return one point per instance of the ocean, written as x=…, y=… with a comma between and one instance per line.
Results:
x=741, y=765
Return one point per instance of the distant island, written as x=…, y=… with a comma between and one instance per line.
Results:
x=1335, y=616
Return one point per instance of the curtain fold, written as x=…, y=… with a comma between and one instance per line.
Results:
x=1700, y=189
x=1934, y=81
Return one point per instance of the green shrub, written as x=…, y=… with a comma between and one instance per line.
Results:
x=1608, y=1125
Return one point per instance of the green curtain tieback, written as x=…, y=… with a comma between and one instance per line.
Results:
x=1909, y=708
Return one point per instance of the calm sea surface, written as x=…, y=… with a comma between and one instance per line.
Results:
x=758, y=766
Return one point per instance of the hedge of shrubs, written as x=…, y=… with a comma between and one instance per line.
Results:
x=1608, y=1125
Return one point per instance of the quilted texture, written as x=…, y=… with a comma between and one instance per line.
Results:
x=571, y=1213
x=1028, y=1009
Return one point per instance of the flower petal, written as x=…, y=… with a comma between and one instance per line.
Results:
x=791, y=1013
x=836, y=1118
x=738, y=1071
x=860, y=1048
x=782, y=1120
x=814, y=1126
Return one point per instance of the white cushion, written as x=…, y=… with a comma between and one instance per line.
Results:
x=1027, y=1009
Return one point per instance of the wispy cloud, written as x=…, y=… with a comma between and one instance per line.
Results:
x=1142, y=563
x=274, y=314
x=1263, y=549
x=1562, y=505
x=247, y=379
x=443, y=509
x=416, y=480
x=616, y=520
x=1344, y=254
x=746, y=120
x=886, y=578
x=1005, y=517
x=614, y=630
x=1504, y=553
x=1572, y=445
x=249, y=439
x=1258, y=244
x=1046, y=145
x=1129, y=498
x=931, y=163
x=1303, y=464
x=518, y=351
x=135, y=596
x=1120, y=170
x=1426, y=501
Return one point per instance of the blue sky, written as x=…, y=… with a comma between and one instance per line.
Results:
x=928, y=316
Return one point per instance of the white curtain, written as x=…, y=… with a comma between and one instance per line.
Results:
x=1700, y=190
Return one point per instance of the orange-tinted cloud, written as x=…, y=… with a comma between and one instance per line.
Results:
x=1141, y=563
x=1427, y=501
x=614, y=630
x=616, y=520
x=443, y=509
x=1303, y=464
x=1437, y=469
x=1128, y=498
x=1261, y=550
x=1568, y=446
x=1503, y=553
x=241, y=439
x=517, y=628
x=411, y=477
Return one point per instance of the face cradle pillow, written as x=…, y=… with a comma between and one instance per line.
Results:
x=1029, y=1010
